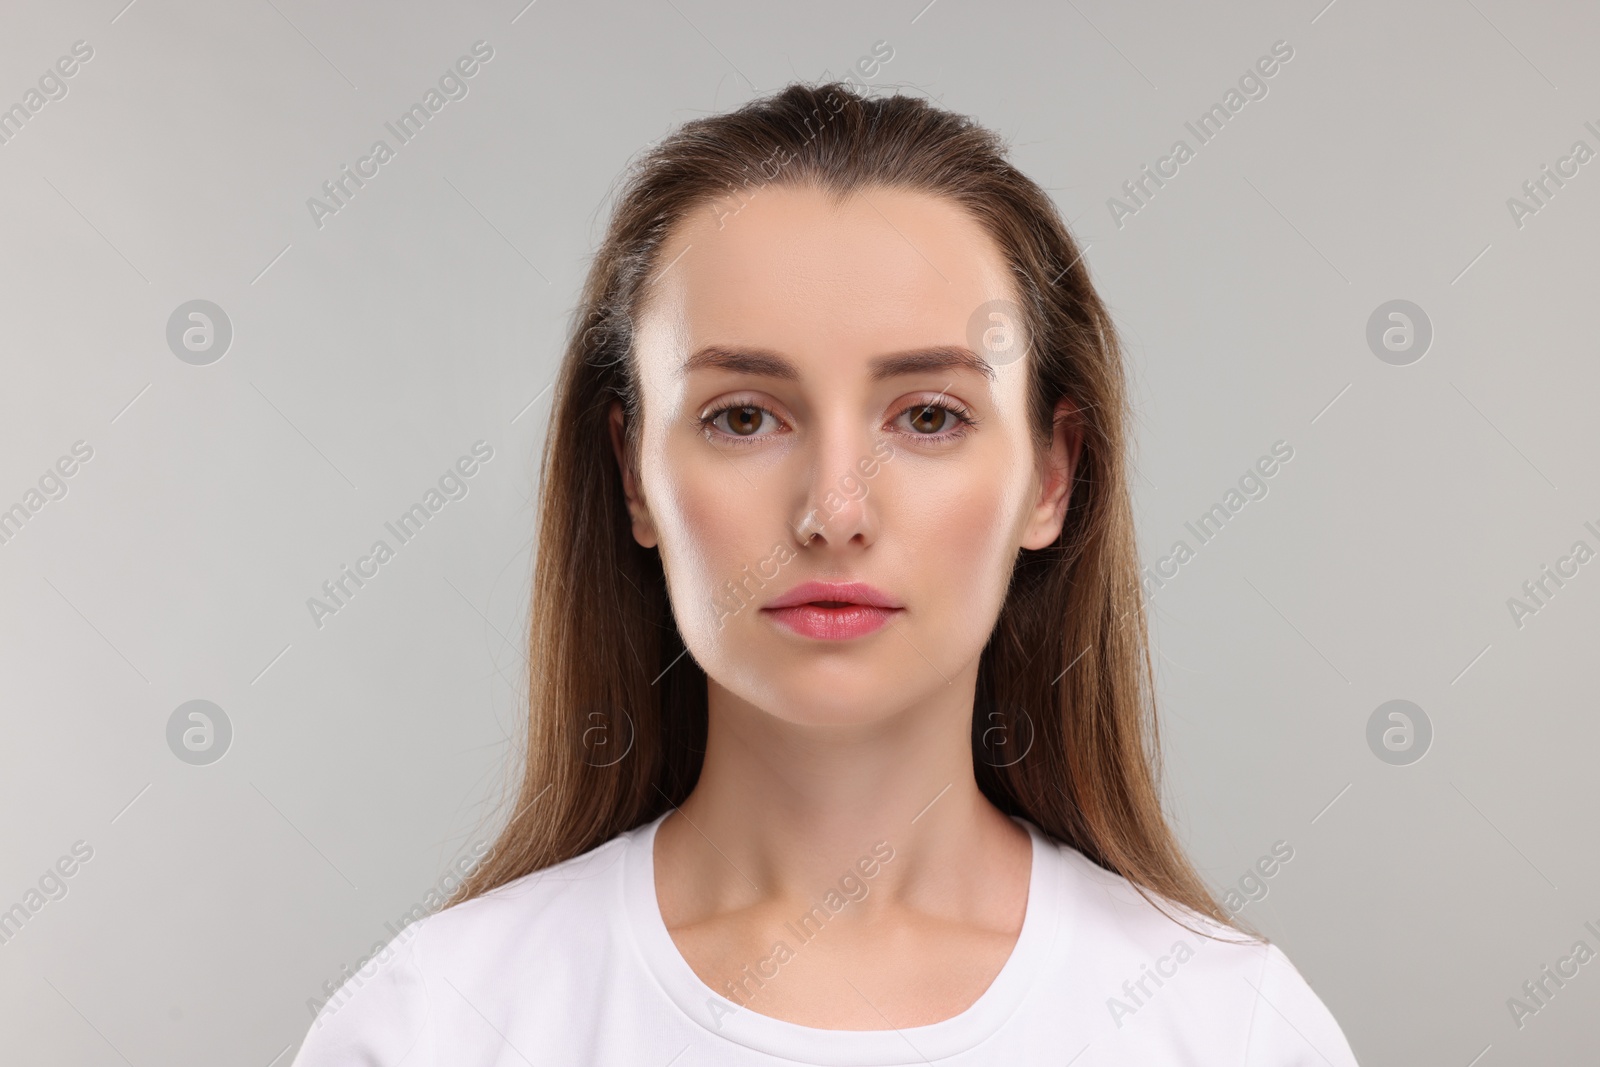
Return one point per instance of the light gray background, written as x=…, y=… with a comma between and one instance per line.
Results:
x=370, y=353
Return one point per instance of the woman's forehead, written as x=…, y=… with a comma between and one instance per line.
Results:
x=885, y=270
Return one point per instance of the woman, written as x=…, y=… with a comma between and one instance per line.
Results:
x=841, y=746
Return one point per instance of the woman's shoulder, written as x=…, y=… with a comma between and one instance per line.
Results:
x=544, y=902
x=1156, y=968
x=470, y=956
x=1123, y=917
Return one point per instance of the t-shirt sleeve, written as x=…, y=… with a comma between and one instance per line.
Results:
x=376, y=1021
x=1290, y=1026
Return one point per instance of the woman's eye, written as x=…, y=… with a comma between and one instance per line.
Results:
x=741, y=423
x=742, y=420
x=930, y=419
x=936, y=421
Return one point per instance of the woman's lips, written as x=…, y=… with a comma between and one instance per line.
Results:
x=833, y=611
x=838, y=623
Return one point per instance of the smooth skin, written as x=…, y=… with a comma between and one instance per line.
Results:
x=817, y=750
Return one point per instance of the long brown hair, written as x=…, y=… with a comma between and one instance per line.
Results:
x=616, y=727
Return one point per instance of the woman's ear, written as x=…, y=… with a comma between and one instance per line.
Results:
x=1055, y=490
x=644, y=528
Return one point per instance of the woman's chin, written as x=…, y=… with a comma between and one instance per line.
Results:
x=835, y=701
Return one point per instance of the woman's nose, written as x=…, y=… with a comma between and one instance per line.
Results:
x=836, y=499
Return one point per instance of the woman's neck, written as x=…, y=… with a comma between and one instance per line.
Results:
x=784, y=810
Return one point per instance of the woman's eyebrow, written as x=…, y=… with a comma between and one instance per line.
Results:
x=766, y=363
x=939, y=357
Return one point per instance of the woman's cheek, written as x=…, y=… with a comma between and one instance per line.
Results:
x=967, y=554
x=974, y=509
x=712, y=553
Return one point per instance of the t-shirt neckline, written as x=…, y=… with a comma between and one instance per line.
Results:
x=724, y=1018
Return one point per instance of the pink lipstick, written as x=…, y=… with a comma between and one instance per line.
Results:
x=833, y=611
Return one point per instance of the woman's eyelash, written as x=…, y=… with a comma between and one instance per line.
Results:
x=965, y=421
x=708, y=423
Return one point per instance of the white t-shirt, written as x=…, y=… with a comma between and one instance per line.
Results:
x=574, y=965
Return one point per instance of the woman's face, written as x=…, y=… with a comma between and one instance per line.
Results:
x=814, y=410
